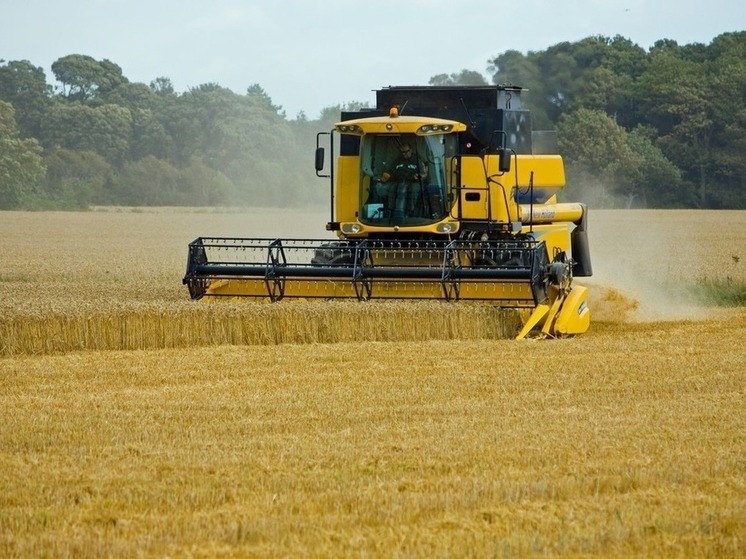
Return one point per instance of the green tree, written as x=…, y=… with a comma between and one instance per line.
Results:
x=149, y=136
x=243, y=137
x=75, y=179
x=162, y=86
x=106, y=129
x=656, y=182
x=677, y=105
x=514, y=67
x=726, y=63
x=147, y=182
x=464, y=77
x=133, y=96
x=257, y=93
x=25, y=87
x=626, y=62
x=596, y=72
x=83, y=77
x=21, y=165
x=601, y=166
x=202, y=186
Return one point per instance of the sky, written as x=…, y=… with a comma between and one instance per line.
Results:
x=308, y=55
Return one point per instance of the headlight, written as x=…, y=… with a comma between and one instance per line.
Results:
x=349, y=129
x=434, y=128
x=351, y=228
x=446, y=228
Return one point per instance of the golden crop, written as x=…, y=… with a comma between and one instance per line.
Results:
x=112, y=280
x=136, y=422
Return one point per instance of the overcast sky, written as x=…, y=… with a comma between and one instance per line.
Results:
x=308, y=55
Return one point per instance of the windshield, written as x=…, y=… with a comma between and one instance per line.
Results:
x=403, y=178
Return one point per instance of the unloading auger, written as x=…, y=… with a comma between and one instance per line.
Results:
x=459, y=204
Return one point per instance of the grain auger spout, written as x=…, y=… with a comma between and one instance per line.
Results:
x=456, y=200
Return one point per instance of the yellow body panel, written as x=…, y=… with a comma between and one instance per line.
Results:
x=508, y=294
x=555, y=235
x=564, y=314
x=534, y=319
x=575, y=317
x=347, y=199
x=545, y=172
x=548, y=170
x=473, y=193
x=494, y=200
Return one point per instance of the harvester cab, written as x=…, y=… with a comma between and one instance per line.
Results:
x=436, y=193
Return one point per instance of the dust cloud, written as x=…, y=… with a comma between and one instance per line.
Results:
x=643, y=264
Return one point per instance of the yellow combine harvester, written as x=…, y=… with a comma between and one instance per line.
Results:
x=437, y=193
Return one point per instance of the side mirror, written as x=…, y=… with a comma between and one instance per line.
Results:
x=503, y=163
x=319, y=159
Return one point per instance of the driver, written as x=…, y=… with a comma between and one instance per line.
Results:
x=405, y=182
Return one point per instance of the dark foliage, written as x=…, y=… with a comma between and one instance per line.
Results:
x=659, y=128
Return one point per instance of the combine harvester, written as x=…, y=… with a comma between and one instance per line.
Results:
x=437, y=193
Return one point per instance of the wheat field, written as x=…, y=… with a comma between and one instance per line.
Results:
x=138, y=423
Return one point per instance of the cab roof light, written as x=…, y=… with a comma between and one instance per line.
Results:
x=435, y=128
x=349, y=129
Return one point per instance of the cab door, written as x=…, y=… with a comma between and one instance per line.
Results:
x=472, y=193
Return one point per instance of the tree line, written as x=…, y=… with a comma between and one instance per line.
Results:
x=661, y=128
